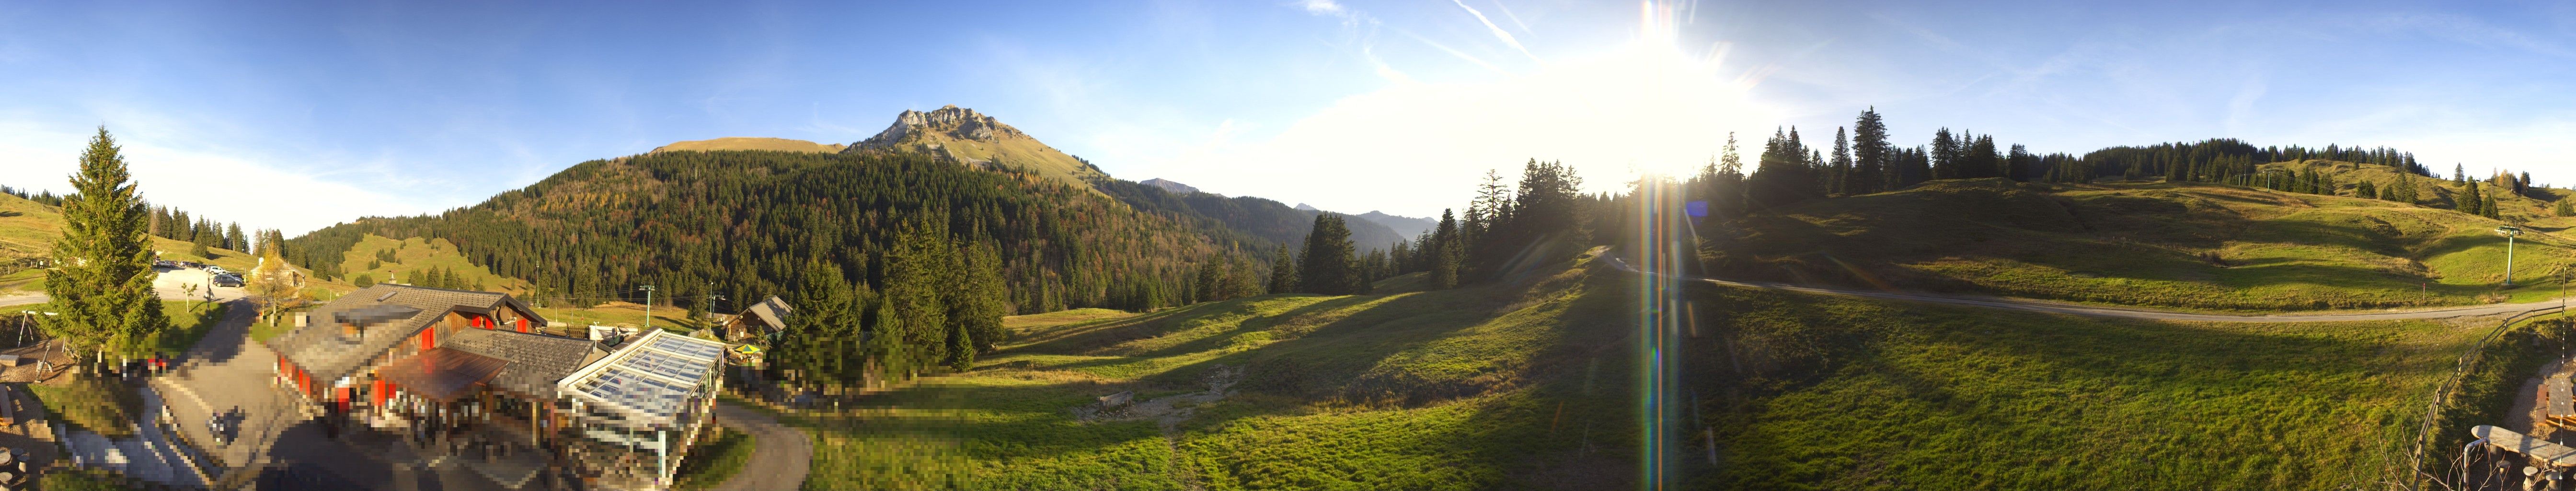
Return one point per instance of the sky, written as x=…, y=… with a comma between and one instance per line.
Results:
x=299, y=115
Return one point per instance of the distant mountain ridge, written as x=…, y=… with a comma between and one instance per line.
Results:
x=1168, y=185
x=1403, y=225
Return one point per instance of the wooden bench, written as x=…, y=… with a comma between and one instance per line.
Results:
x=2559, y=406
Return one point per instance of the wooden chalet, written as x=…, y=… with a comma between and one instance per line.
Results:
x=754, y=324
x=462, y=369
x=359, y=347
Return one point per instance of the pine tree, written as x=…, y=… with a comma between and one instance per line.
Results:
x=1870, y=154
x=2489, y=209
x=2564, y=209
x=1945, y=155
x=2459, y=174
x=103, y=284
x=1283, y=272
x=1445, y=252
x=2470, y=201
x=1327, y=267
x=1845, y=180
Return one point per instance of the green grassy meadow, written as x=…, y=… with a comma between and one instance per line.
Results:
x=1532, y=386
x=713, y=462
x=2146, y=244
x=1476, y=388
x=1837, y=393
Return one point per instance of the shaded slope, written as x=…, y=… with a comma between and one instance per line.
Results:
x=1497, y=386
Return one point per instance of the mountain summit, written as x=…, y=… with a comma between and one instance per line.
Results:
x=966, y=137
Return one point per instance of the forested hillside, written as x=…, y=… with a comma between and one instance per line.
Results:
x=743, y=224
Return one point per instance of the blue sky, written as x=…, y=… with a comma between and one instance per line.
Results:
x=257, y=111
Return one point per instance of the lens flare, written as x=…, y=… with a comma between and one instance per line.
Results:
x=1661, y=244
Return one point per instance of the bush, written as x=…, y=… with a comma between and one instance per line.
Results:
x=363, y=280
x=90, y=403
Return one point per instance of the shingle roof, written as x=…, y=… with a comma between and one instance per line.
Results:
x=442, y=373
x=536, y=361
x=773, y=311
x=327, y=354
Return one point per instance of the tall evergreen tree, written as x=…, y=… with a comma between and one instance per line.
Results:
x=1945, y=155
x=1445, y=252
x=1328, y=266
x=2470, y=200
x=1870, y=154
x=1845, y=180
x=103, y=281
x=1283, y=272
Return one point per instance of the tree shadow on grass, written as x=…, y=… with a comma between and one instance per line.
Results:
x=2004, y=372
x=1322, y=365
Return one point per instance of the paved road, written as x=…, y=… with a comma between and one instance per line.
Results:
x=2139, y=313
x=780, y=455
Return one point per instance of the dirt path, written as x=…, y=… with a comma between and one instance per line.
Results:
x=780, y=456
x=2030, y=305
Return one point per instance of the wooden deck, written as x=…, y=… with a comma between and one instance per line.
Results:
x=2554, y=454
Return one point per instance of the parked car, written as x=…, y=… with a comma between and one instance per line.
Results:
x=165, y=263
x=218, y=270
x=228, y=280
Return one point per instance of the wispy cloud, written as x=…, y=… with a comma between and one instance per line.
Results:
x=1455, y=52
x=1516, y=19
x=1498, y=31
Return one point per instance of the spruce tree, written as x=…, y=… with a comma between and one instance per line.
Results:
x=103, y=281
x=1844, y=177
x=1870, y=154
x=1445, y=252
x=1283, y=272
x=1327, y=267
x=2489, y=209
x=2470, y=201
x=2564, y=209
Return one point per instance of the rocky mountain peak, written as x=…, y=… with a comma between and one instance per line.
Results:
x=952, y=121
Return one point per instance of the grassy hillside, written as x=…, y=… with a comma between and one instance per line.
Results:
x=1489, y=387
x=1531, y=386
x=413, y=256
x=1837, y=393
x=751, y=143
x=2163, y=244
x=28, y=229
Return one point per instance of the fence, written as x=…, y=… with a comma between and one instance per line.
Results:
x=2468, y=361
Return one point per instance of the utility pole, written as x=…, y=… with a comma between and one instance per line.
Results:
x=648, y=306
x=2509, y=233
